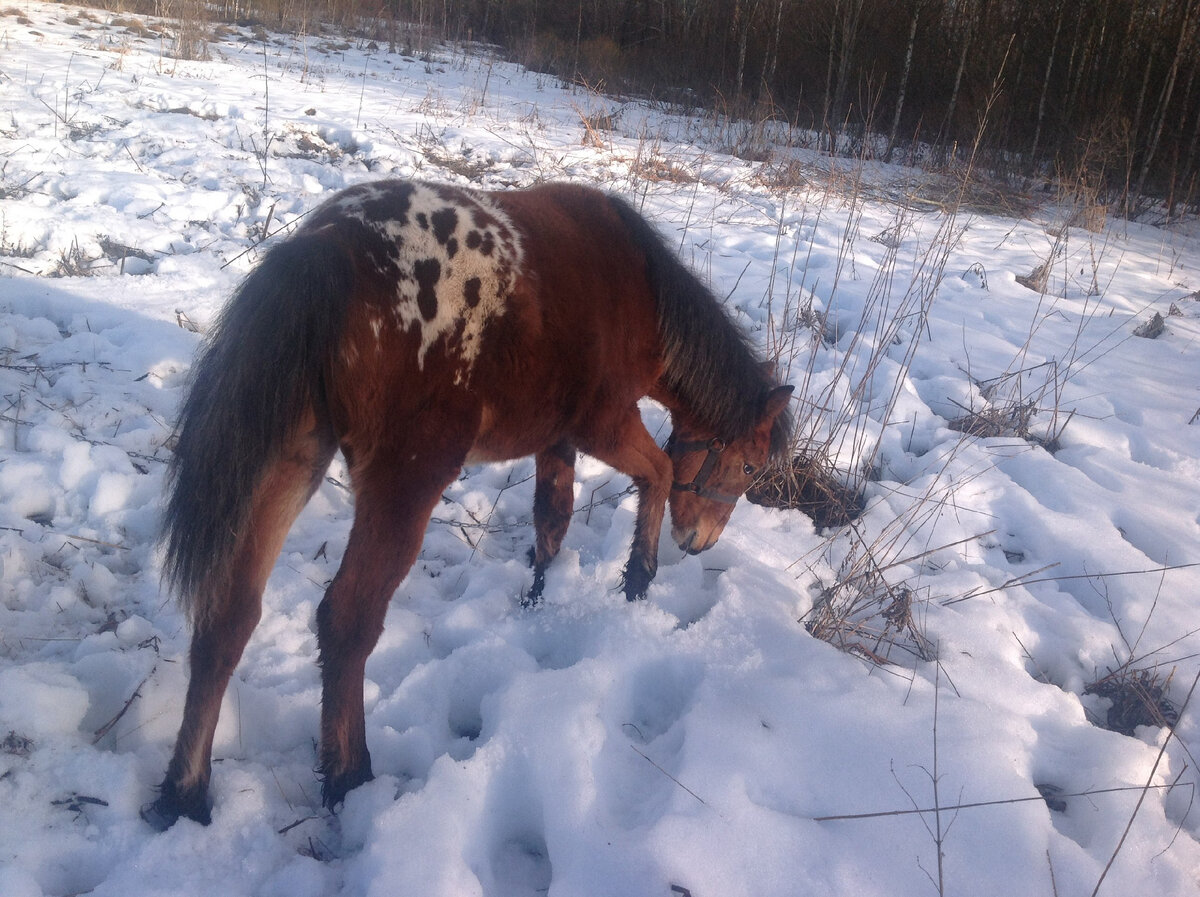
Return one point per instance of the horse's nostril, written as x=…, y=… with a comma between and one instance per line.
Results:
x=686, y=544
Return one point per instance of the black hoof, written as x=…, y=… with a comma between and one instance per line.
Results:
x=636, y=581
x=533, y=597
x=170, y=806
x=335, y=788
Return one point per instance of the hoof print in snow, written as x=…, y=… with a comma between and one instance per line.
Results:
x=1052, y=795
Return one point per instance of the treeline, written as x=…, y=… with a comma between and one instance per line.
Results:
x=1104, y=89
x=1107, y=91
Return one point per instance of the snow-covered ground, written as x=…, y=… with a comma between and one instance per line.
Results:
x=688, y=744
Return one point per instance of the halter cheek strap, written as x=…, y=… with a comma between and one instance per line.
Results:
x=699, y=484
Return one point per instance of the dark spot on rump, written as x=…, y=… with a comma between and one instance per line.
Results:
x=445, y=221
x=471, y=291
x=483, y=243
x=382, y=254
x=427, y=273
x=389, y=203
x=482, y=219
x=422, y=221
x=451, y=247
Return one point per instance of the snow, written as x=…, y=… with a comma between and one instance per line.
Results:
x=590, y=747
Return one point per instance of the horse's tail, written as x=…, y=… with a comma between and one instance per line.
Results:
x=262, y=368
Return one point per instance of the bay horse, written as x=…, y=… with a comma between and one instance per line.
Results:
x=419, y=328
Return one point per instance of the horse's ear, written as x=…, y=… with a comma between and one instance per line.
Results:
x=777, y=401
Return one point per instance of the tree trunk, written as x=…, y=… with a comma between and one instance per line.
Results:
x=1041, y=113
x=1185, y=38
x=908, y=56
x=1141, y=102
x=968, y=33
x=848, y=26
x=773, y=59
x=743, y=36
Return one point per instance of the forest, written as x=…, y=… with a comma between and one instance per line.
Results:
x=1102, y=93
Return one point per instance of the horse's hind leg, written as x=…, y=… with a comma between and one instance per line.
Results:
x=553, y=502
x=394, y=497
x=220, y=633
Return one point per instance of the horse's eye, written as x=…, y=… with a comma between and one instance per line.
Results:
x=748, y=469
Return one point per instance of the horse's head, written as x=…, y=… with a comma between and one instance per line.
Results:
x=712, y=474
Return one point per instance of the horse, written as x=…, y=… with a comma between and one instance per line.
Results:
x=418, y=328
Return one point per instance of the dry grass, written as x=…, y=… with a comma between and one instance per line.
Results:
x=866, y=616
x=463, y=163
x=1138, y=697
x=657, y=169
x=808, y=484
x=1151, y=329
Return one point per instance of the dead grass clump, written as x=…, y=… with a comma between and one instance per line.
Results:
x=305, y=143
x=119, y=253
x=1012, y=402
x=658, y=170
x=18, y=250
x=136, y=27
x=1151, y=329
x=16, y=745
x=465, y=164
x=1037, y=280
x=808, y=484
x=866, y=616
x=1010, y=420
x=72, y=262
x=596, y=122
x=1137, y=698
x=784, y=175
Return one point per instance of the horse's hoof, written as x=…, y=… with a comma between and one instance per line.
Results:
x=164, y=812
x=156, y=818
x=636, y=581
x=533, y=597
x=335, y=788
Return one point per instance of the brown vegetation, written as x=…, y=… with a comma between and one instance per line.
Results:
x=1109, y=89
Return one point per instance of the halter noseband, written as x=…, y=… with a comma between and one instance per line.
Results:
x=698, y=486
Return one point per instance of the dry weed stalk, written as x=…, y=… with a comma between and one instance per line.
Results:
x=865, y=615
x=808, y=483
x=1013, y=400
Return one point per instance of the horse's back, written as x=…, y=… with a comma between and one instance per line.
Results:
x=527, y=310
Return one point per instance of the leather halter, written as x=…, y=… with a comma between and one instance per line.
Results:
x=699, y=484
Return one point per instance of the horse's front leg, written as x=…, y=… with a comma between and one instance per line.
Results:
x=630, y=449
x=553, y=502
x=643, y=554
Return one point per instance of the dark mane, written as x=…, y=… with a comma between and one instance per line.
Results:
x=709, y=364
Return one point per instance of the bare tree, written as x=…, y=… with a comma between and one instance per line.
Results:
x=917, y=7
x=1187, y=30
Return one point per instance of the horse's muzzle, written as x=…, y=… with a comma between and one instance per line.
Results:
x=687, y=540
